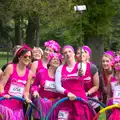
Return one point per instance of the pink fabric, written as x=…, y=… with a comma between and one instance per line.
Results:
x=41, y=77
x=110, y=52
x=86, y=48
x=53, y=44
x=75, y=84
x=40, y=66
x=9, y=114
x=115, y=114
x=14, y=104
x=44, y=102
x=44, y=105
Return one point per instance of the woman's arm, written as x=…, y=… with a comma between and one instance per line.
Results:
x=27, y=87
x=58, y=83
x=5, y=76
x=95, y=84
x=109, y=92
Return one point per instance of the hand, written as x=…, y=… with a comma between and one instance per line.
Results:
x=6, y=96
x=80, y=72
x=71, y=96
x=28, y=100
x=36, y=94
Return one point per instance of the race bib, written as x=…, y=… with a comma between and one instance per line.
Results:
x=94, y=104
x=63, y=115
x=16, y=90
x=50, y=86
x=116, y=96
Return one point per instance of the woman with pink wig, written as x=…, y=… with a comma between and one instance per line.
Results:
x=46, y=79
x=113, y=96
x=51, y=46
x=70, y=84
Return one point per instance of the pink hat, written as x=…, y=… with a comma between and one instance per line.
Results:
x=87, y=49
x=53, y=44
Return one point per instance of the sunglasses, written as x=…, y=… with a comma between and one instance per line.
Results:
x=27, y=56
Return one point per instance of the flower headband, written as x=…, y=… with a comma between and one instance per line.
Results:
x=23, y=48
x=52, y=44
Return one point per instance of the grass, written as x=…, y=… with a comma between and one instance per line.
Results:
x=4, y=59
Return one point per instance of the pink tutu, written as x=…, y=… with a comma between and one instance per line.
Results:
x=9, y=114
x=75, y=110
x=44, y=105
x=115, y=114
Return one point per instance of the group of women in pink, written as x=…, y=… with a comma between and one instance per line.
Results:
x=46, y=76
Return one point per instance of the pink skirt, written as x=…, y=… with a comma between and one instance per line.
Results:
x=115, y=114
x=9, y=114
x=44, y=105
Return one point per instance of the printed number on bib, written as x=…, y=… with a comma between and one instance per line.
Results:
x=94, y=104
x=50, y=86
x=16, y=90
x=63, y=115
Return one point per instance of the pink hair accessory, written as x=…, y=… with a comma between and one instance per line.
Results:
x=51, y=55
x=53, y=44
x=87, y=49
x=110, y=52
x=68, y=46
x=117, y=59
x=22, y=48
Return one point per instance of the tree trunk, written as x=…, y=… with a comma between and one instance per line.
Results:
x=96, y=44
x=30, y=32
x=37, y=31
x=18, y=40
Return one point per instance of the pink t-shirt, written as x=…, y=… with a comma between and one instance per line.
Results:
x=40, y=66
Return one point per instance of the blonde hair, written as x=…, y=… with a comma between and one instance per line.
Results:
x=39, y=49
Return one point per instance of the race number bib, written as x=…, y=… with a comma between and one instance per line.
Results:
x=63, y=115
x=116, y=96
x=50, y=86
x=94, y=104
x=16, y=90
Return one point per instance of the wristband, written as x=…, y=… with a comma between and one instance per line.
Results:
x=66, y=92
x=2, y=94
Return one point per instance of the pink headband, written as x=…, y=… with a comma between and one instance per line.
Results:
x=86, y=48
x=53, y=44
x=110, y=52
x=23, y=48
x=52, y=55
x=68, y=46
